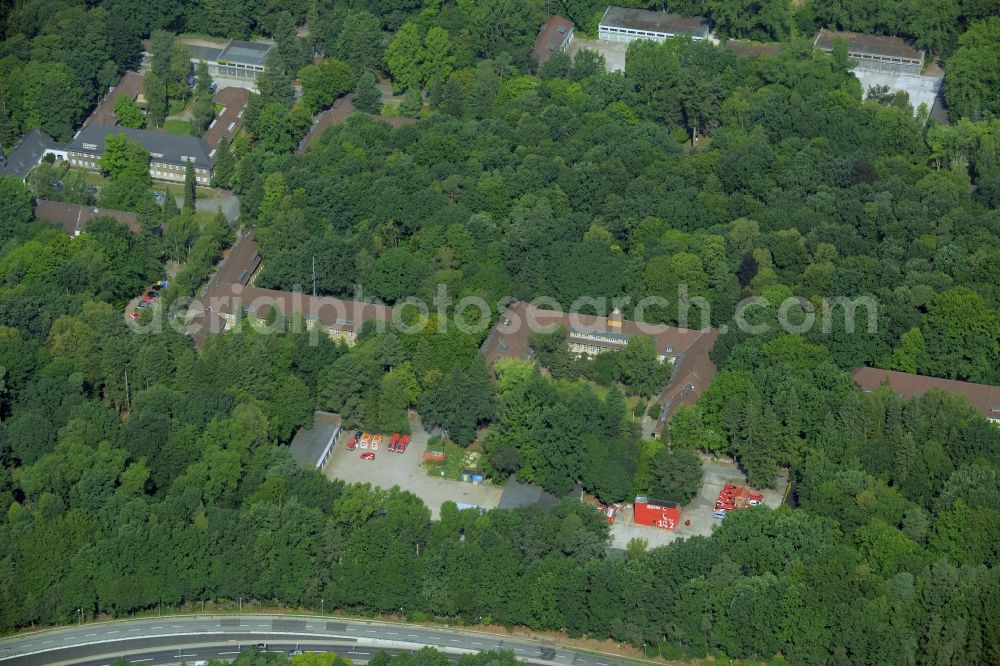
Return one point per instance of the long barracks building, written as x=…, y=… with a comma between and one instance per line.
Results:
x=169, y=153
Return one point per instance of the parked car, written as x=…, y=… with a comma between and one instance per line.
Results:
x=357, y=434
x=150, y=297
x=352, y=444
x=133, y=315
x=368, y=455
x=262, y=647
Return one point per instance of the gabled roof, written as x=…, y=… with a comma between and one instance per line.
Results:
x=162, y=147
x=230, y=119
x=510, y=340
x=332, y=313
x=26, y=154
x=691, y=377
x=985, y=398
x=241, y=262
x=650, y=21
x=73, y=218
x=339, y=112
x=550, y=38
x=104, y=114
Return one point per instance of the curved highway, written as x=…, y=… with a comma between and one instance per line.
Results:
x=192, y=639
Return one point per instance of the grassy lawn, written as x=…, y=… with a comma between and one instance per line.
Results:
x=456, y=459
x=178, y=189
x=180, y=127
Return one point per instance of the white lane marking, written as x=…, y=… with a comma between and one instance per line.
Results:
x=113, y=632
x=157, y=628
x=133, y=630
x=602, y=663
x=359, y=652
x=412, y=636
x=85, y=636
x=230, y=652
x=46, y=642
x=136, y=661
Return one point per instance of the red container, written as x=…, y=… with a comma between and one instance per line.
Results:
x=656, y=513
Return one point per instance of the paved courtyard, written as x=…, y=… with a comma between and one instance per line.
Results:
x=715, y=474
x=921, y=89
x=613, y=52
x=404, y=470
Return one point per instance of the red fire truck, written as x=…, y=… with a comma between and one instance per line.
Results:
x=735, y=497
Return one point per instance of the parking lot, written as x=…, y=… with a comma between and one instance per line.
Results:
x=715, y=474
x=613, y=52
x=921, y=89
x=404, y=470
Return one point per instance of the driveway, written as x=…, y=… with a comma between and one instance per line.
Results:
x=715, y=473
x=227, y=203
x=613, y=52
x=405, y=471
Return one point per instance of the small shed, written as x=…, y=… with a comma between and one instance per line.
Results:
x=311, y=447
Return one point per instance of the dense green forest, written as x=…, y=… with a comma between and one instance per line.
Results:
x=137, y=471
x=424, y=657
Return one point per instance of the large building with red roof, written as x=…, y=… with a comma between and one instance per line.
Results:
x=686, y=350
x=984, y=398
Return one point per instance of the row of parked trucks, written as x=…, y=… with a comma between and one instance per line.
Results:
x=667, y=515
x=369, y=442
x=735, y=497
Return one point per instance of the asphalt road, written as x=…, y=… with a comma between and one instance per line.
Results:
x=170, y=640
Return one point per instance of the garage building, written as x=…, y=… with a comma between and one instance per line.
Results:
x=311, y=447
x=875, y=53
x=625, y=25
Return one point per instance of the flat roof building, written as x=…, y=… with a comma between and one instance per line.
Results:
x=983, y=397
x=555, y=36
x=311, y=447
x=169, y=153
x=620, y=24
x=238, y=59
x=875, y=52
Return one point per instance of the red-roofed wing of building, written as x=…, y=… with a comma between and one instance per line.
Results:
x=984, y=398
